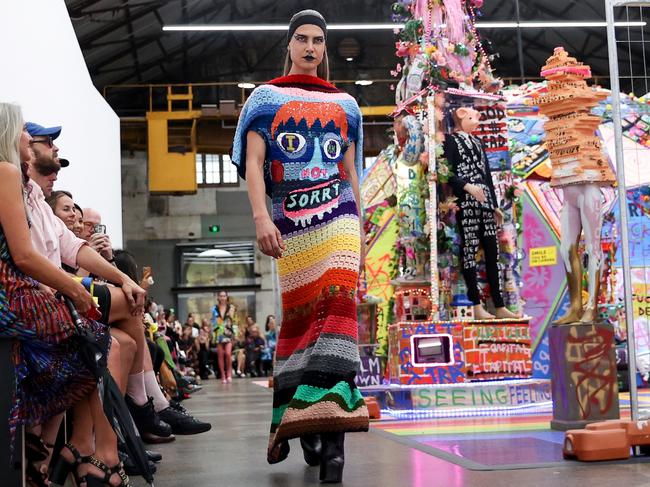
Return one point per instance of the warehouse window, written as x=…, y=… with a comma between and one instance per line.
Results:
x=215, y=170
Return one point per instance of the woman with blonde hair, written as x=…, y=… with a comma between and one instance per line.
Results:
x=49, y=373
x=299, y=140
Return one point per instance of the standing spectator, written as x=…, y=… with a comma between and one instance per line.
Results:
x=223, y=324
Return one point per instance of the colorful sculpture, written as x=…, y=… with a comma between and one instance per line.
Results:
x=580, y=168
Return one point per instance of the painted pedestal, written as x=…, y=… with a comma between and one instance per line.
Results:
x=583, y=375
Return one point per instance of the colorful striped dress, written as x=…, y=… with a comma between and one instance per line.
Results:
x=307, y=125
x=50, y=375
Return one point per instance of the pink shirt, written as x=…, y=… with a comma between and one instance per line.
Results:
x=50, y=236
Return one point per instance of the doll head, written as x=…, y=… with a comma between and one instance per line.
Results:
x=466, y=119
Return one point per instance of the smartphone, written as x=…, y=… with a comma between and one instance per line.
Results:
x=99, y=228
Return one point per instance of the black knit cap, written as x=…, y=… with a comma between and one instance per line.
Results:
x=306, y=17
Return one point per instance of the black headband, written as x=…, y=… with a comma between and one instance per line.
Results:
x=306, y=17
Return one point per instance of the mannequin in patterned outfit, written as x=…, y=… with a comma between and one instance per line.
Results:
x=479, y=212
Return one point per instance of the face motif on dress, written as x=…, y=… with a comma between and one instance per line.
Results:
x=310, y=141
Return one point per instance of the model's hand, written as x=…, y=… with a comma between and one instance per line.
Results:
x=269, y=238
x=476, y=191
x=499, y=216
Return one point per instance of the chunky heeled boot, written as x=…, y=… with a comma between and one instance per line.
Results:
x=332, y=458
x=311, y=449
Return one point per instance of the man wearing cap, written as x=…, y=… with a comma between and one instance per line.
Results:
x=121, y=306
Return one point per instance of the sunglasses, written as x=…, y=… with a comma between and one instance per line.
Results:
x=47, y=141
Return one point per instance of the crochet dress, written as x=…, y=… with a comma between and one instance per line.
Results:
x=307, y=125
x=50, y=375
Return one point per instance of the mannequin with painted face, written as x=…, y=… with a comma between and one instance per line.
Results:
x=299, y=140
x=479, y=213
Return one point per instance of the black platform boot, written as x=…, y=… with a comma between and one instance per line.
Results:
x=311, y=449
x=332, y=458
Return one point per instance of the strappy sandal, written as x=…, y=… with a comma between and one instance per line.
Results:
x=36, y=452
x=63, y=468
x=105, y=481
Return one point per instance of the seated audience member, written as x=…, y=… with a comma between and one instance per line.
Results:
x=95, y=234
x=63, y=206
x=78, y=227
x=120, y=304
x=67, y=210
x=250, y=321
x=254, y=345
x=50, y=377
x=190, y=321
x=180, y=421
x=202, y=349
x=268, y=353
x=239, y=352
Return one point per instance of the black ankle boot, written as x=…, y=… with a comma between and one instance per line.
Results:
x=332, y=458
x=311, y=449
x=146, y=418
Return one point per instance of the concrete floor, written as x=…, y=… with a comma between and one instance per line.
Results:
x=233, y=454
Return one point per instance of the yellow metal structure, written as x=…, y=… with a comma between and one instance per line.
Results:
x=173, y=171
x=377, y=111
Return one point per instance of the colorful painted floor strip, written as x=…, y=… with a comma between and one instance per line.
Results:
x=518, y=441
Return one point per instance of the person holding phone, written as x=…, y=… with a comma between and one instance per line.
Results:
x=95, y=234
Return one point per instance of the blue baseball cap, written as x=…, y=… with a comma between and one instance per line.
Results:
x=35, y=129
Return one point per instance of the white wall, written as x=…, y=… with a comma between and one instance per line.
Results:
x=42, y=68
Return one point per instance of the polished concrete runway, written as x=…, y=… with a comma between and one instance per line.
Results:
x=233, y=454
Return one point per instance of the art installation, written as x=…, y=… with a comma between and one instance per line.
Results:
x=580, y=169
x=515, y=185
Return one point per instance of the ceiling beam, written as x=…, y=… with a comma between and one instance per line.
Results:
x=134, y=50
x=86, y=41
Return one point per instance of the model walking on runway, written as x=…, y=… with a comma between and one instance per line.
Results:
x=299, y=140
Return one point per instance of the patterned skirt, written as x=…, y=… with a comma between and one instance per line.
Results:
x=50, y=375
x=317, y=353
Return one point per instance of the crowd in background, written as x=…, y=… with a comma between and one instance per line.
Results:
x=216, y=345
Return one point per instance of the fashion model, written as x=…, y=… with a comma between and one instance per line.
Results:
x=299, y=140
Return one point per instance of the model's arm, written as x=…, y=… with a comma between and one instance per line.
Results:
x=14, y=224
x=269, y=238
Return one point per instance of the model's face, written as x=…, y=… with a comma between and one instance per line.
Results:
x=307, y=48
x=223, y=298
x=64, y=209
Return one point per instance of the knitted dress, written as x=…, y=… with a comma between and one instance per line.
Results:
x=307, y=125
x=50, y=376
